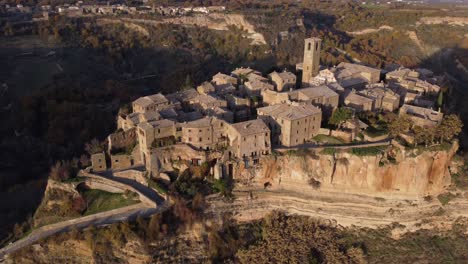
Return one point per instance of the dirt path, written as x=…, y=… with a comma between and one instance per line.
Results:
x=369, y=30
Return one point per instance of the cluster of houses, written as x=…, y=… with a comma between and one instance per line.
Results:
x=243, y=115
x=79, y=9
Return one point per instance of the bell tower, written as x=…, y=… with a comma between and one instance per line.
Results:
x=311, y=64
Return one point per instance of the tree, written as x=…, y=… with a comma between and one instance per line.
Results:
x=399, y=125
x=94, y=146
x=188, y=83
x=62, y=171
x=440, y=99
x=340, y=116
x=450, y=127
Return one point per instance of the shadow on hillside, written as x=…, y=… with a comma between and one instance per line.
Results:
x=453, y=64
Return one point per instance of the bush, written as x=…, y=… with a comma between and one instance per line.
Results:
x=370, y=151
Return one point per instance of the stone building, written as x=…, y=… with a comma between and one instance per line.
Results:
x=127, y=122
x=406, y=80
x=325, y=76
x=358, y=102
x=206, y=133
x=98, y=162
x=150, y=103
x=350, y=75
x=204, y=101
x=206, y=88
x=383, y=98
x=254, y=88
x=321, y=96
x=243, y=73
x=225, y=89
x=283, y=81
x=154, y=134
x=221, y=78
x=423, y=117
x=311, y=63
x=291, y=124
x=273, y=97
x=249, y=139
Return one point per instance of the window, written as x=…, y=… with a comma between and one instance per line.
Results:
x=199, y=131
x=190, y=130
x=190, y=139
x=309, y=46
x=200, y=140
x=159, y=130
x=244, y=138
x=116, y=161
x=297, y=132
x=316, y=46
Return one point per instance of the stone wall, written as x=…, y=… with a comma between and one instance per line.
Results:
x=122, y=139
x=135, y=175
x=122, y=161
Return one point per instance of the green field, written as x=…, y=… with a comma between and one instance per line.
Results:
x=328, y=139
x=100, y=201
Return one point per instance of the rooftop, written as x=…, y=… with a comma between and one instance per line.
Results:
x=317, y=91
x=251, y=127
x=258, y=85
x=358, y=99
x=289, y=111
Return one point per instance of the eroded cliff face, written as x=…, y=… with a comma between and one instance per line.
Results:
x=410, y=176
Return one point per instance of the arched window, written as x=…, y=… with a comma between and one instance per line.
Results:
x=309, y=46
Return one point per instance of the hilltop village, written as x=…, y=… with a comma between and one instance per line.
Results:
x=239, y=117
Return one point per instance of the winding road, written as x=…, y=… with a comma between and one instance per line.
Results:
x=127, y=213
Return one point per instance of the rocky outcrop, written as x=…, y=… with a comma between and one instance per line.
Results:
x=216, y=21
x=410, y=175
x=454, y=21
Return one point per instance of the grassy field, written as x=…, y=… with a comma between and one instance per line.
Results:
x=100, y=201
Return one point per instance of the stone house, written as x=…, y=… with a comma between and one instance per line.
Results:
x=324, y=77
x=127, y=122
x=423, y=117
x=225, y=89
x=221, y=113
x=249, y=139
x=221, y=78
x=383, y=97
x=291, y=124
x=154, y=134
x=273, y=97
x=206, y=133
x=254, y=88
x=242, y=73
x=150, y=103
x=283, y=81
x=409, y=80
x=98, y=162
x=321, y=96
x=206, y=88
x=351, y=75
x=204, y=101
x=358, y=102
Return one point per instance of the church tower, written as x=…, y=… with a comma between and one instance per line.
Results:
x=311, y=64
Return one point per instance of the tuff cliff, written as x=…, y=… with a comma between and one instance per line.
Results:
x=406, y=174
